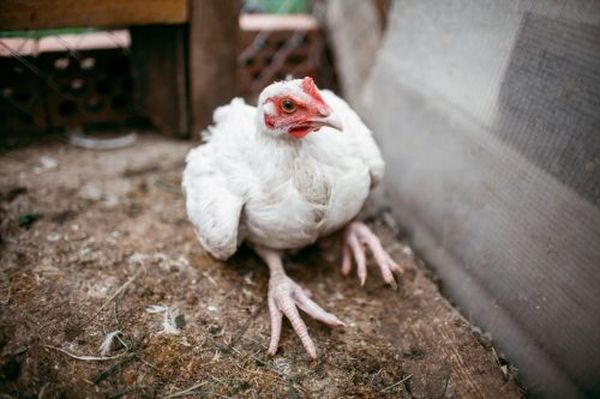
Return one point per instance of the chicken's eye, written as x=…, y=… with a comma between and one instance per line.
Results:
x=288, y=105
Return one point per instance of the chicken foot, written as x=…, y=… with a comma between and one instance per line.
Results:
x=284, y=298
x=356, y=238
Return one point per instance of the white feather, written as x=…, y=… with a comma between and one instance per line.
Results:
x=246, y=183
x=106, y=345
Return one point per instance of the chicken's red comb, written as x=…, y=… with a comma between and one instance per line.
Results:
x=310, y=88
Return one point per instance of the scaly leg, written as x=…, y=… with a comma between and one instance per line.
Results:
x=285, y=296
x=357, y=237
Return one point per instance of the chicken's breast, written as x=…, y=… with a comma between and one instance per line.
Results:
x=241, y=185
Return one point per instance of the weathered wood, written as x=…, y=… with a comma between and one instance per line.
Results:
x=212, y=57
x=159, y=66
x=48, y=14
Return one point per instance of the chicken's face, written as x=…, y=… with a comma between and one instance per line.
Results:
x=294, y=108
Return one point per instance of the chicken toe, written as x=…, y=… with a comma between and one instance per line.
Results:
x=358, y=237
x=285, y=297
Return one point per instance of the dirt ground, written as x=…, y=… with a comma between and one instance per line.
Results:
x=97, y=242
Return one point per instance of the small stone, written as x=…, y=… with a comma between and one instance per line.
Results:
x=54, y=237
x=46, y=163
x=180, y=321
x=28, y=219
x=212, y=308
x=90, y=192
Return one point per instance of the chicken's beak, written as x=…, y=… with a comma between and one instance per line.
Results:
x=330, y=120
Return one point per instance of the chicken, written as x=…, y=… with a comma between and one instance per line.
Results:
x=278, y=176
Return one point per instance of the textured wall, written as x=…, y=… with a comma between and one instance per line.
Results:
x=354, y=27
x=489, y=117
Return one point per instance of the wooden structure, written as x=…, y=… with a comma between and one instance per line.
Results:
x=212, y=57
x=184, y=51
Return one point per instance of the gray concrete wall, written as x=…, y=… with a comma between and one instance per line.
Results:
x=488, y=114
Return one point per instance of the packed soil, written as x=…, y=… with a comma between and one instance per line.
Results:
x=97, y=242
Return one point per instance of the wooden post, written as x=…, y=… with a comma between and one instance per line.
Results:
x=159, y=68
x=212, y=57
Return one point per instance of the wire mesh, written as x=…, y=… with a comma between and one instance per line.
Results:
x=279, y=40
x=57, y=80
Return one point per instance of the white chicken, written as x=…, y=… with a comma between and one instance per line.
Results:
x=278, y=176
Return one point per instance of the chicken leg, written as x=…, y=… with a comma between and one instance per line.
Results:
x=356, y=238
x=285, y=296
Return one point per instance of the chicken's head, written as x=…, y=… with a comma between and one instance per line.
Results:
x=294, y=108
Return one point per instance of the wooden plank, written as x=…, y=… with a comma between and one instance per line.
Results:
x=212, y=57
x=50, y=14
x=276, y=22
x=159, y=66
x=48, y=44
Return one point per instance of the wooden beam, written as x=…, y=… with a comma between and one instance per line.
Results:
x=212, y=57
x=50, y=14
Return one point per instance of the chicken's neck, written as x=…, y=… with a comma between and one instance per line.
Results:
x=280, y=158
